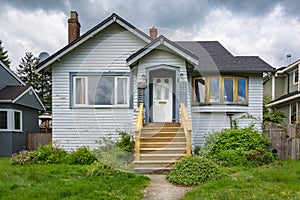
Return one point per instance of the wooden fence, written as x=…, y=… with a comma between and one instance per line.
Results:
x=36, y=139
x=285, y=140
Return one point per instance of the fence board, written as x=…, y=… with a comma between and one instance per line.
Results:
x=285, y=140
x=36, y=139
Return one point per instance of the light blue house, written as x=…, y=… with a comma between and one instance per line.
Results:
x=100, y=79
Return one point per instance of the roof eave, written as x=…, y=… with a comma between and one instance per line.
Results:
x=283, y=100
x=89, y=34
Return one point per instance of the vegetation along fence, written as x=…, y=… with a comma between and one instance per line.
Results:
x=36, y=139
x=284, y=140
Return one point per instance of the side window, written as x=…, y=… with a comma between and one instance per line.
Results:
x=17, y=120
x=214, y=90
x=199, y=90
x=228, y=90
x=3, y=119
x=242, y=91
x=295, y=76
x=80, y=90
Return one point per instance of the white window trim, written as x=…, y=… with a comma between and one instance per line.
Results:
x=294, y=72
x=86, y=105
x=11, y=121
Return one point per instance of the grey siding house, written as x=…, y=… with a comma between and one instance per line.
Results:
x=100, y=78
x=19, y=111
x=284, y=88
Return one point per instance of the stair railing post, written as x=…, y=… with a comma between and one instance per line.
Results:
x=186, y=124
x=138, y=130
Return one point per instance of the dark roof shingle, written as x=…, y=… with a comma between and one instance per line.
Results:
x=12, y=92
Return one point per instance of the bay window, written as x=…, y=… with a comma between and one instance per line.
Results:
x=220, y=90
x=101, y=91
x=10, y=120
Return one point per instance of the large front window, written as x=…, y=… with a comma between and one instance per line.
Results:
x=220, y=90
x=101, y=91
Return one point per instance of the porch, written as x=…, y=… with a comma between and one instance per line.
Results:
x=159, y=145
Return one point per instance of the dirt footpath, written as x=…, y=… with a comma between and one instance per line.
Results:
x=161, y=189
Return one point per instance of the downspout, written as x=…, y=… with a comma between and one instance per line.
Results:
x=288, y=85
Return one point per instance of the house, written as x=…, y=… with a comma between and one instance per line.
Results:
x=284, y=88
x=101, y=77
x=19, y=111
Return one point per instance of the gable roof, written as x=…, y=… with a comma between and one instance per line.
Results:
x=11, y=73
x=14, y=93
x=90, y=33
x=161, y=40
x=213, y=56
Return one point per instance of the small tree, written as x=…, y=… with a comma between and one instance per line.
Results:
x=4, y=56
x=41, y=82
x=270, y=114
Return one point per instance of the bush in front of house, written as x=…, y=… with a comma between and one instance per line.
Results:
x=23, y=157
x=81, y=156
x=243, y=146
x=195, y=170
x=126, y=143
x=49, y=154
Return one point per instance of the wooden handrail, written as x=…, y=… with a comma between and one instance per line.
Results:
x=186, y=125
x=138, y=130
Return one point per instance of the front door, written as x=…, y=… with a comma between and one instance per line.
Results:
x=162, y=99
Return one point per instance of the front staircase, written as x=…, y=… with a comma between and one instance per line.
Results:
x=159, y=145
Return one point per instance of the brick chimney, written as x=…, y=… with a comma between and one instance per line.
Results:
x=153, y=33
x=73, y=27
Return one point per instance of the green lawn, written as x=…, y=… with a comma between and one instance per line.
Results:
x=276, y=182
x=57, y=181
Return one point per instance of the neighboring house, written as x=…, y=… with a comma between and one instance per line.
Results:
x=99, y=79
x=19, y=111
x=284, y=88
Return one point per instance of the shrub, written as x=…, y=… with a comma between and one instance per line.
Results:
x=81, y=156
x=237, y=146
x=49, y=154
x=126, y=143
x=195, y=170
x=23, y=157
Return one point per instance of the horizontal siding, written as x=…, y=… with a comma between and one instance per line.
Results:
x=6, y=78
x=105, y=52
x=208, y=119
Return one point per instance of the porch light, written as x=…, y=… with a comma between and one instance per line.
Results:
x=144, y=77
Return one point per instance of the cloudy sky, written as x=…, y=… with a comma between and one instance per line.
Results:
x=267, y=28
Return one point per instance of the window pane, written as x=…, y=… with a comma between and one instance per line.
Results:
x=296, y=76
x=166, y=89
x=200, y=90
x=80, y=91
x=293, y=113
x=158, y=89
x=17, y=120
x=100, y=90
x=3, y=119
x=122, y=90
x=214, y=93
x=228, y=90
x=242, y=90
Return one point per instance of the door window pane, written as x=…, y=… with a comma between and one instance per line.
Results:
x=3, y=119
x=166, y=89
x=214, y=90
x=228, y=90
x=17, y=120
x=241, y=90
x=158, y=89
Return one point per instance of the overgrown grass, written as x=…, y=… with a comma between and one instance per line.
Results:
x=266, y=182
x=60, y=181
